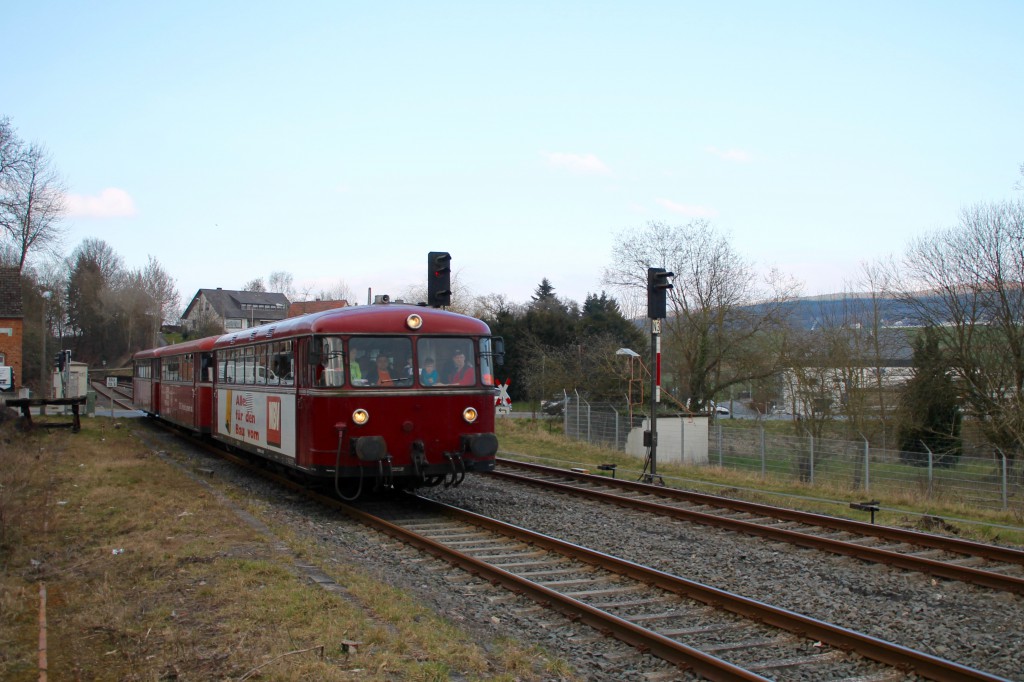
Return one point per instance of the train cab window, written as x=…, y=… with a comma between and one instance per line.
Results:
x=447, y=362
x=328, y=359
x=382, y=361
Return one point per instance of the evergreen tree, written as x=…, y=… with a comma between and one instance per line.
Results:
x=601, y=316
x=930, y=407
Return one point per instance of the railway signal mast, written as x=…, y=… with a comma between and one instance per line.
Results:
x=658, y=284
x=439, y=279
x=62, y=362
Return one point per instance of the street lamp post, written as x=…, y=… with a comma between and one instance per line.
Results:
x=43, y=332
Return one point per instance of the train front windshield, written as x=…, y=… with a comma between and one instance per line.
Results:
x=389, y=362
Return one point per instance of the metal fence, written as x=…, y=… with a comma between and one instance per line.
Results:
x=983, y=477
x=603, y=424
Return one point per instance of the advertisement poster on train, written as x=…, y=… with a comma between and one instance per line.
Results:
x=260, y=419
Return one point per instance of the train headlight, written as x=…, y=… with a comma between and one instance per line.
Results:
x=470, y=414
x=414, y=321
x=360, y=417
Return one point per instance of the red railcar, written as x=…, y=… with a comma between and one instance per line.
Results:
x=400, y=394
x=185, y=388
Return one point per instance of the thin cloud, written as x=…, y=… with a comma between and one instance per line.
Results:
x=583, y=164
x=737, y=155
x=111, y=203
x=689, y=210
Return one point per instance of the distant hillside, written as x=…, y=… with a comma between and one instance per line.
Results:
x=811, y=312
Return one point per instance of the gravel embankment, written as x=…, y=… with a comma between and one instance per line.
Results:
x=970, y=625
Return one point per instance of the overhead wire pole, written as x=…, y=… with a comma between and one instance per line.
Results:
x=658, y=285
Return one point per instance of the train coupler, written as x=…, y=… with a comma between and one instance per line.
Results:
x=458, y=466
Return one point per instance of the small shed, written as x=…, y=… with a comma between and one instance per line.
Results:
x=77, y=378
x=681, y=440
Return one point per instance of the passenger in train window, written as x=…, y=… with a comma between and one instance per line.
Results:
x=380, y=375
x=428, y=375
x=355, y=372
x=463, y=374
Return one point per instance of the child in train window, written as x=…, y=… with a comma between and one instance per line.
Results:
x=428, y=375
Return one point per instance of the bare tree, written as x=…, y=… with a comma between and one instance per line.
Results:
x=281, y=282
x=255, y=285
x=32, y=204
x=12, y=153
x=161, y=288
x=107, y=261
x=967, y=283
x=724, y=327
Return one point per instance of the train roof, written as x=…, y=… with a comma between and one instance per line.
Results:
x=193, y=346
x=382, y=318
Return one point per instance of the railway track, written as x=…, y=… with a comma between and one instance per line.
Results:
x=991, y=566
x=719, y=635
x=716, y=634
x=122, y=397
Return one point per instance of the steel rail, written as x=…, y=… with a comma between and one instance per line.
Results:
x=935, y=567
x=871, y=647
x=667, y=649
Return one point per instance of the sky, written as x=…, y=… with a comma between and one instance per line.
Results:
x=343, y=141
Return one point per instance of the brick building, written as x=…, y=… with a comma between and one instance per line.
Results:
x=12, y=330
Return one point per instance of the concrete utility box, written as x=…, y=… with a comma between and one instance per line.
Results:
x=77, y=377
x=681, y=440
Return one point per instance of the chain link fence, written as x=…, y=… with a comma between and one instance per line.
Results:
x=983, y=477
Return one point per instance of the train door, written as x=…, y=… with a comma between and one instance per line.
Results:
x=156, y=386
x=202, y=391
x=305, y=370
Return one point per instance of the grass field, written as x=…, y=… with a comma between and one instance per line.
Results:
x=142, y=574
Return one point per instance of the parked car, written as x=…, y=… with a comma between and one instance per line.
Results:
x=553, y=407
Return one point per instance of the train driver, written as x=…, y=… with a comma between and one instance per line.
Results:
x=463, y=374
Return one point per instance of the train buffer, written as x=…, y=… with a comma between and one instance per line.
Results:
x=26, y=405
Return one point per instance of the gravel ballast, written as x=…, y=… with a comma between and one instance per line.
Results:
x=973, y=626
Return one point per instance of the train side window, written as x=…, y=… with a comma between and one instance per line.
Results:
x=227, y=366
x=486, y=362
x=248, y=366
x=282, y=363
x=261, y=373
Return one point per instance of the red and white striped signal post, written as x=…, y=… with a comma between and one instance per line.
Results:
x=658, y=284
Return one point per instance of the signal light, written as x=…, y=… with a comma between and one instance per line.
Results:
x=439, y=282
x=61, y=359
x=658, y=284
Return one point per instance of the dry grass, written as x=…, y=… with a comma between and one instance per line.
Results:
x=149, y=577
x=537, y=441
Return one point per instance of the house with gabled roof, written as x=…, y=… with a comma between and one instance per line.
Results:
x=318, y=306
x=234, y=310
